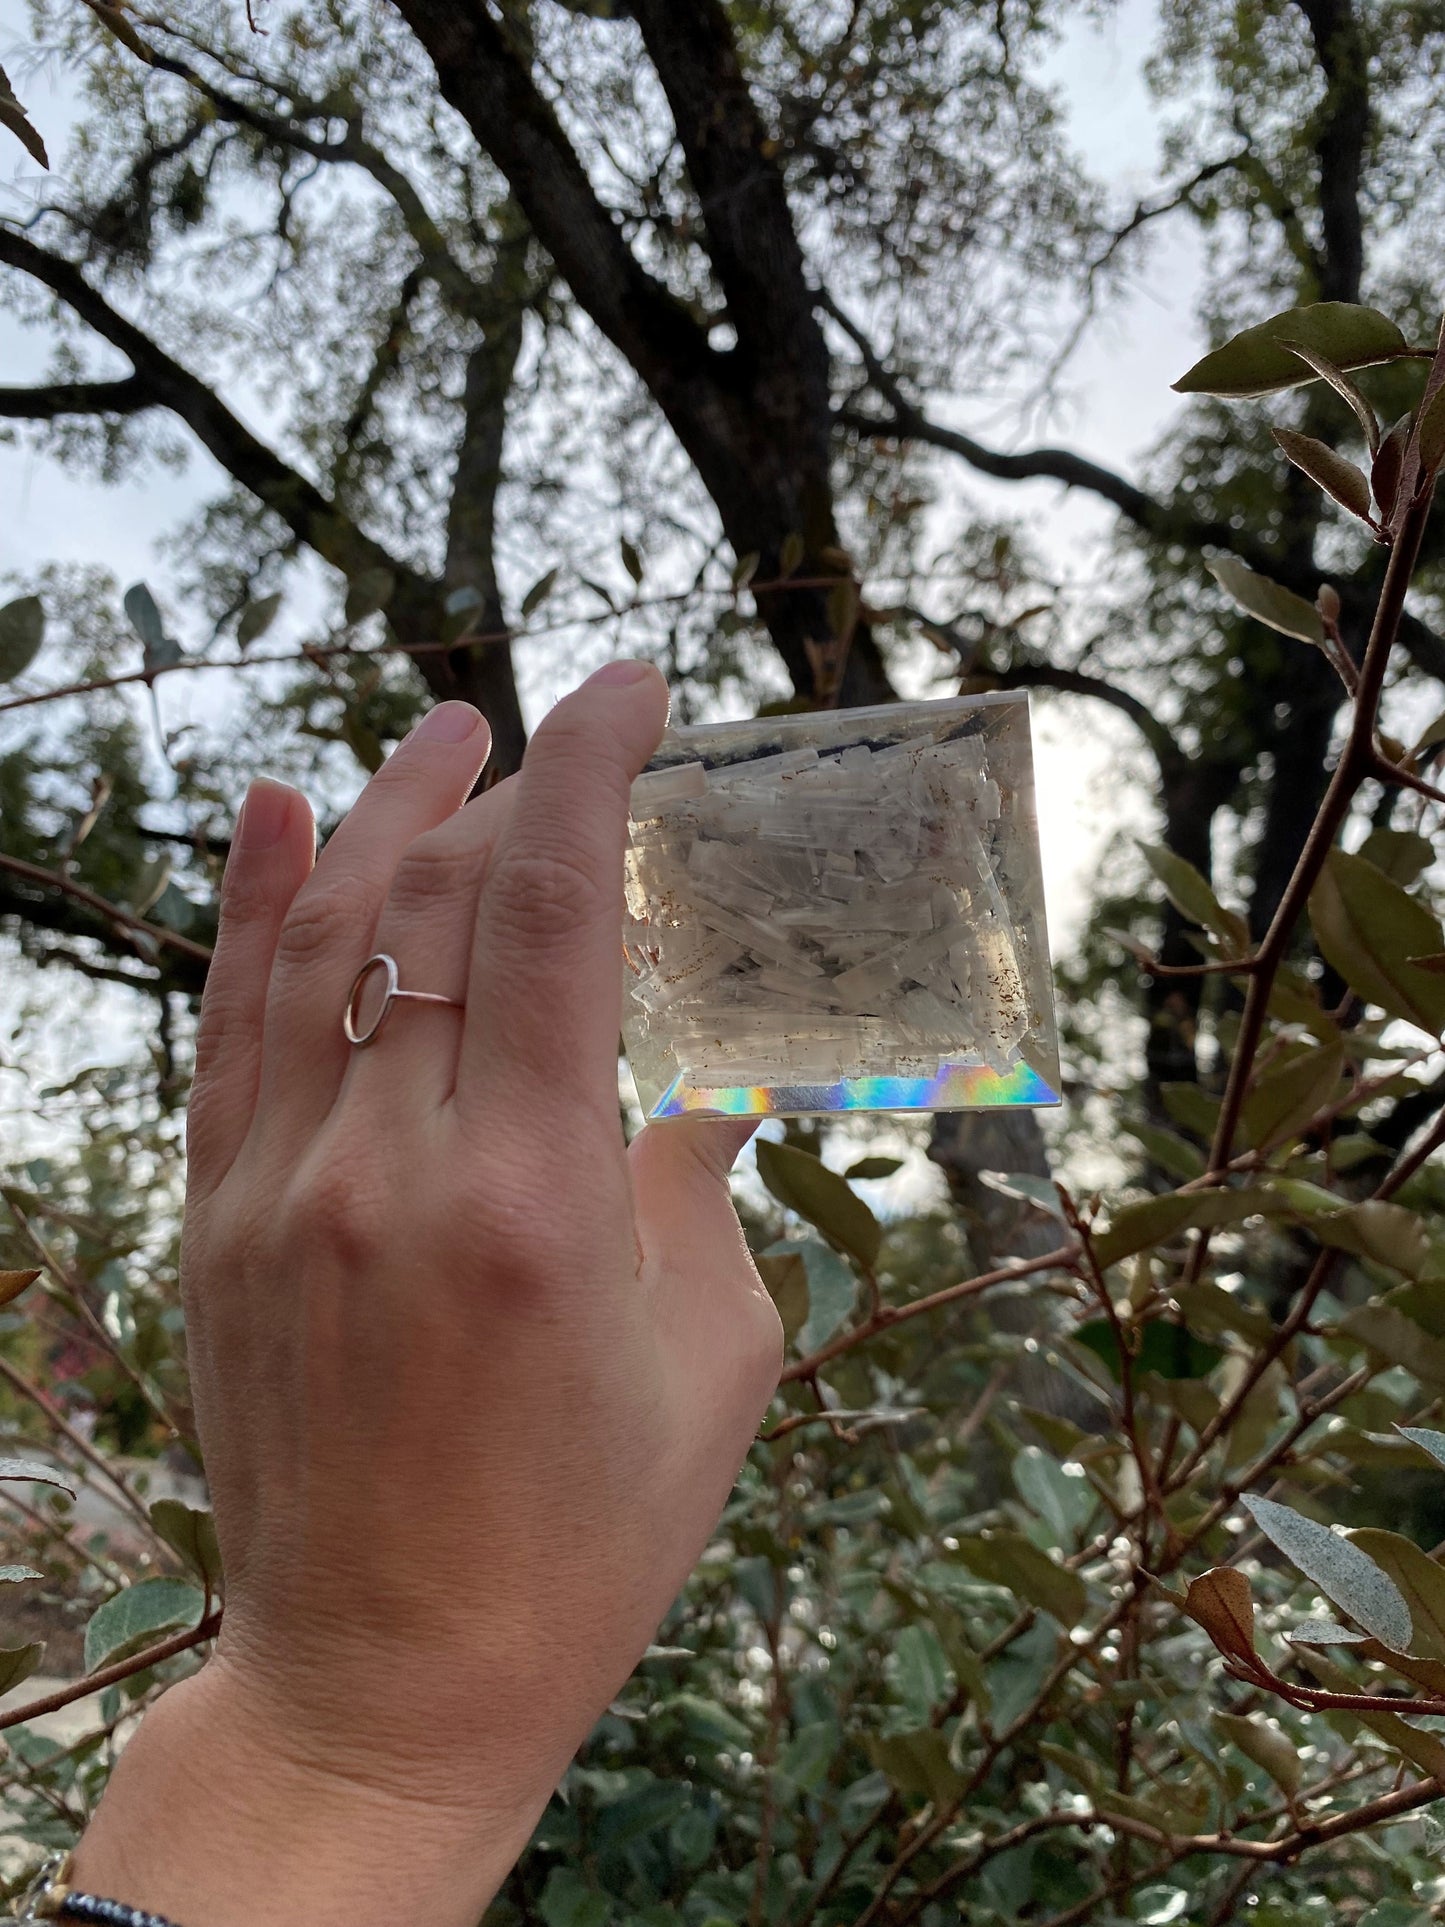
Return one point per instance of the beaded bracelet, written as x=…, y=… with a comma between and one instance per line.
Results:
x=51, y=1897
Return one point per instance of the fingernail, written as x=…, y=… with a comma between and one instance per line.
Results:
x=264, y=814
x=449, y=723
x=614, y=674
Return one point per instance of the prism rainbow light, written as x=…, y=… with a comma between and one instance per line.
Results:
x=840, y=912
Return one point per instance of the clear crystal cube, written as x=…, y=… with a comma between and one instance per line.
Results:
x=840, y=911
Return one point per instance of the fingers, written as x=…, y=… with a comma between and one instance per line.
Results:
x=272, y=852
x=427, y=924
x=330, y=929
x=546, y=982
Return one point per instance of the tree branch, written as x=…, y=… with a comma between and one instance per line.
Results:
x=751, y=237
x=459, y=287
x=112, y=1675
x=1077, y=682
x=482, y=75
x=110, y=913
x=299, y=503
x=127, y=396
x=907, y=422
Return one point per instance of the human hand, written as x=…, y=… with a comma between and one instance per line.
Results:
x=473, y=1380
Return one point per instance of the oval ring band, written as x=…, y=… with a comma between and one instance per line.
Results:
x=381, y=961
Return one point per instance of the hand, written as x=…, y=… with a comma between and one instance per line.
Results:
x=473, y=1379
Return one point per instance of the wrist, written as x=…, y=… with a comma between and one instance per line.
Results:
x=217, y=1815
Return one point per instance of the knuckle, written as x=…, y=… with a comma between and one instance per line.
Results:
x=567, y=741
x=337, y=1211
x=432, y=872
x=322, y=917
x=549, y=896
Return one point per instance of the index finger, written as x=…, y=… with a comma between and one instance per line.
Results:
x=545, y=991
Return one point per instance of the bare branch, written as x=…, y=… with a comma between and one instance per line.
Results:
x=127, y=396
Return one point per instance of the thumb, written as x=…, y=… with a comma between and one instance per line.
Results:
x=696, y=1261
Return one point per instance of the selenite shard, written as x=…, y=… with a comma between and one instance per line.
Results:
x=840, y=911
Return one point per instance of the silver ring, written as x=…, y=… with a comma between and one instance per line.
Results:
x=393, y=992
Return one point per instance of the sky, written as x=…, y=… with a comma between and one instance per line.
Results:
x=1116, y=403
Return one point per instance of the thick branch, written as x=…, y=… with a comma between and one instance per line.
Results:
x=484, y=78
x=1342, y=131
x=127, y=396
x=907, y=422
x=300, y=504
x=751, y=238
x=459, y=287
x=1077, y=682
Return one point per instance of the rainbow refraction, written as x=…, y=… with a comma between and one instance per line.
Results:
x=957, y=1087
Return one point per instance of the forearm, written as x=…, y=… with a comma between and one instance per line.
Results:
x=211, y=1821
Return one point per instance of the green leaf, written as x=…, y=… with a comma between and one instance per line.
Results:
x=785, y=1273
x=1428, y=1441
x=745, y=568
x=832, y=1289
x=1262, y=1742
x=1398, y=1340
x=790, y=553
x=16, y=1575
x=1269, y=603
x=1388, y=468
x=1065, y=1503
x=918, y=1764
x=1011, y=1560
x=134, y=1618
x=17, y=1663
x=22, y=631
x=539, y=592
x=1192, y=896
x=367, y=591
x=1169, y=1350
x=843, y=599
x=808, y=1755
x=1325, y=466
x=805, y=1184
x=256, y=618
x=1423, y=1749
x=1290, y=1092
x=34, y=1470
x=1419, y=1579
x=1341, y=1570
x=631, y=561
x=1403, y=855
x=919, y=1671
x=160, y=650
x=568, y=1901
x=1257, y=362
x=190, y=1534
x=1387, y=1234
x=1167, y=1149
x=873, y=1167
x=1152, y=1221
x=1192, y=1106
x=704, y=1719
x=1369, y=928
x=1041, y=1193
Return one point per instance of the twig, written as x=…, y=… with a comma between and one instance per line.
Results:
x=53, y=880
x=97, y=1682
x=887, y=1316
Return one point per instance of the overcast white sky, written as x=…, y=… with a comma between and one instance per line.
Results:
x=1117, y=403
